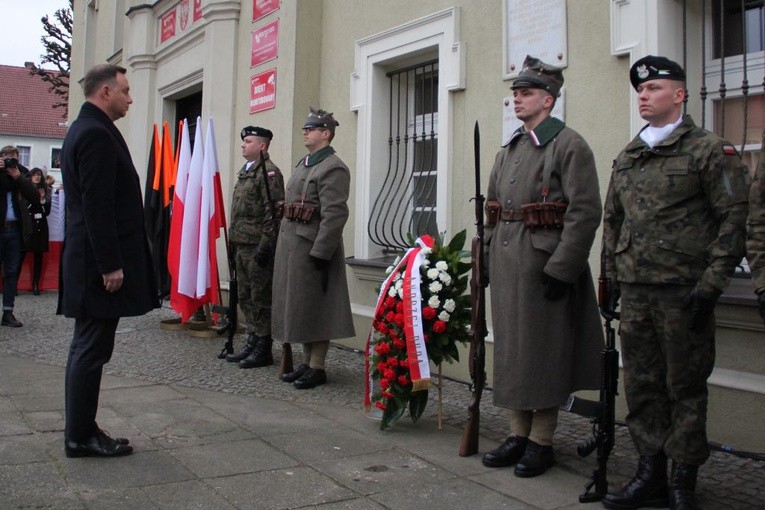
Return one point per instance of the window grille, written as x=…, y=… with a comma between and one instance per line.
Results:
x=406, y=202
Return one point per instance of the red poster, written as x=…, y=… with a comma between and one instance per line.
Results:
x=197, y=10
x=263, y=91
x=261, y=8
x=167, y=27
x=265, y=44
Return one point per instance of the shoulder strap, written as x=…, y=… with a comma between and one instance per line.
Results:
x=305, y=183
x=548, y=168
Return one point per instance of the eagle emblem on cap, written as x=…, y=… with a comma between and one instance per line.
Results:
x=642, y=71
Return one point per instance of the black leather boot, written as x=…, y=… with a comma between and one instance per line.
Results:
x=261, y=356
x=295, y=374
x=507, y=454
x=648, y=488
x=682, y=495
x=537, y=459
x=236, y=357
x=310, y=379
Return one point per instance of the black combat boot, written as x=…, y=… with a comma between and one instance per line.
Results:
x=236, y=357
x=648, y=488
x=261, y=356
x=507, y=454
x=537, y=459
x=682, y=495
x=310, y=379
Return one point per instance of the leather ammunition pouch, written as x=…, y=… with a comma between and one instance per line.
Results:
x=493, y=209
x=299, y=212
x=547, y=215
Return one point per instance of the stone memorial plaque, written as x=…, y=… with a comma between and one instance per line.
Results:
x=537, y=28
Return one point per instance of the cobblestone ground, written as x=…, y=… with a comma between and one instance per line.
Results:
x=144, y=351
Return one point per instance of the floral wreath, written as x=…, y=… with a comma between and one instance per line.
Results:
x=422, y=314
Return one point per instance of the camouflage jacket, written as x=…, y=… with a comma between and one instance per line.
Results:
x=755, y=226
x=251, y=220
x=676, y=213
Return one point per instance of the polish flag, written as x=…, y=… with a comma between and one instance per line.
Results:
x=212, y=219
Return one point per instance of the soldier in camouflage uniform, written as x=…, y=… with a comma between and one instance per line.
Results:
x=674, y=232
x=755, y=226
x=253, y=238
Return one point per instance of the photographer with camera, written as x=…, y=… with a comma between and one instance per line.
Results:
x=14, y=185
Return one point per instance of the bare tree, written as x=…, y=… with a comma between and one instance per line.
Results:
x=57, y=42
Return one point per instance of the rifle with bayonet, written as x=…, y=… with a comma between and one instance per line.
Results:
x=230, y=311
x=478, y=330
x=602, y=412
x=285, y=365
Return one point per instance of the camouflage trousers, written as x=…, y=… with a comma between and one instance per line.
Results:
x=666, y=367
x=254, y=289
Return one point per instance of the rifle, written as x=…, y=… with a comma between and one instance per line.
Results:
x=230, y=311
x=478, y=330
x=602, y=412
x=285, y=365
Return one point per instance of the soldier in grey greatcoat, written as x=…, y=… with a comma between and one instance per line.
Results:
x=310, y=294
x=755, y=235
x=252, y=236
x=674, y=232
x=547, y=332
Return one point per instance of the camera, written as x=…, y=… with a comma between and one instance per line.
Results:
x=11, y=162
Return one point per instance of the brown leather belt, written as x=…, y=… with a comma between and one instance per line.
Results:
x=511, y=215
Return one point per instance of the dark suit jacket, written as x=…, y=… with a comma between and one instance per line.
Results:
x=20, y=188
x=104, y=223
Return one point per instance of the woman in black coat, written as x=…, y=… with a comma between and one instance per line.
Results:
x=35, y=225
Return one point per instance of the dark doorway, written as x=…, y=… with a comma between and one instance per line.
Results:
x=189, y=107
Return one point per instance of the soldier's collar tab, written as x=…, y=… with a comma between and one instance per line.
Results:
x=317, y=157
x=547, y=130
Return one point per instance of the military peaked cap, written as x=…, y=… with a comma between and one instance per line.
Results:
x=256, y=131
x=538, y=75
x=652, y=67
x=320, y=118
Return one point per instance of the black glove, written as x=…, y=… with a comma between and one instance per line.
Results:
x=761, y=302
x=554, y=289
x=702, y=307
x=262, y=255
x=323, y=266
x=613, y=293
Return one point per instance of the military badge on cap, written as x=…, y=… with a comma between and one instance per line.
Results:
x=320, y=118
x=538, y=75
x=256, y=131
x=653, y=67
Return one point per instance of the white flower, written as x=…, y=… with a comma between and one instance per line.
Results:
x=389, y=269
x=426, y=251
x=441, y=265
x=444, y=277
x=433, y=302
x=425, y=262
x=449, y=305
x=392, y=291
x=400, y=293
x=395, y=262
x=397, y=276
x=432, y=274
x=399, y=284
x=435, y=287
x=444, y=316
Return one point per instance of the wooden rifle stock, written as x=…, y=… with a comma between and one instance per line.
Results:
x=478, y=330
x=285, y=365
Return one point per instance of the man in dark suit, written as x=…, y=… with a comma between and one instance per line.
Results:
x=106, y=265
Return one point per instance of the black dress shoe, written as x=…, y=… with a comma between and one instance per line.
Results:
x=312, y=378
x=537, y=459
x=295, y=374
x=10, y=320
x=507, y=454
x=118, y=440
x=99, y=445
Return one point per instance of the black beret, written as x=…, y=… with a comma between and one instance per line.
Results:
x=256, y=131
x=538, y=75
x=320, y=118
x=652, y=67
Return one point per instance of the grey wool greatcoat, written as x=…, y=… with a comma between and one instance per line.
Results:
x=301, y=311
x=104, y=223
x=544, y=350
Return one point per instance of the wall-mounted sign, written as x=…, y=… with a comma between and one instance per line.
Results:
x=263, y=91
x=265, y=43
x=537, y=28
x=262, y=8
x=179, y=18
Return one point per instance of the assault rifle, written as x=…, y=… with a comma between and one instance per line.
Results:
x=233, y=302
x=603, y=411
x=285, y=365
x=478, y=330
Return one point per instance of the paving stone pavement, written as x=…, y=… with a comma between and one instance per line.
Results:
x=210, y=435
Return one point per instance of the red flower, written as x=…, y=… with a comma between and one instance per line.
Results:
x=439, y=326
x=381, y=406
x=384, y=383
x=387, y=394
x=381, y=366
x=403, y=380
x=428, y=313
x=403, y=363
x=390, y=316
x=399, y=320
x=389, y=374
x=399, y=344
x=389, y=302
x=400, y=307
x=382, y=349
x=392, y=362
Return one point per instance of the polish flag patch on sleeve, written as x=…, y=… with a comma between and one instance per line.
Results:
x=729, y=150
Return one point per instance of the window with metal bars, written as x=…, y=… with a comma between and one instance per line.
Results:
x=406, y=202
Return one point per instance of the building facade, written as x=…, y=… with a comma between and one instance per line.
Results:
x=408, y=80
